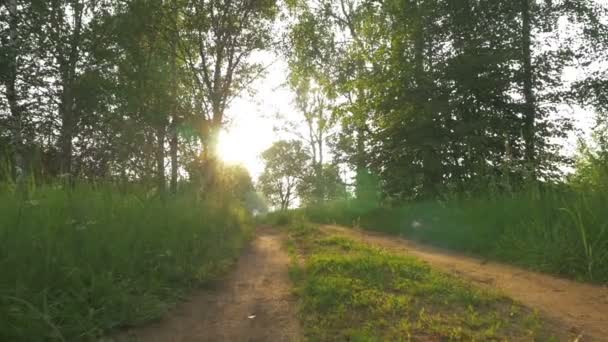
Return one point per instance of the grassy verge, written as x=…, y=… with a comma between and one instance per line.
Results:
x=559, y=232
x=78, y=264
x=351, y=292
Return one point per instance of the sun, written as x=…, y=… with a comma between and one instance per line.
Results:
x=243, y=144
x=228, y=148
x=250, y=128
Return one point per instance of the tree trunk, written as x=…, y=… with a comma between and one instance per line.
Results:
x=10, y=82
x=428, y=186
x=160, y=161
x=67, y=129
x=68, y=74
x=174, y=147
x=530, y=105
x=174, y=122
x=361, y=157
x=431, y=165
x=320, y=178
x=285, y=200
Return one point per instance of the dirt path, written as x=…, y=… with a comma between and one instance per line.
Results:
x=254, y=303
x=582, y=308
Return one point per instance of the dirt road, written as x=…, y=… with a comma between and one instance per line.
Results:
x=582, y=308
x=255, y=303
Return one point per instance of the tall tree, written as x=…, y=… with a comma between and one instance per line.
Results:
x=285, y=164
x=527, y=75
x=221, y=37
x=9, y=79
x=314, y=107
x=65, y=31
x=325, y=44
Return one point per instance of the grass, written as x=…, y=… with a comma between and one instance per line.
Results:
x=349, y=291
x=562, y=232
x=78, y=264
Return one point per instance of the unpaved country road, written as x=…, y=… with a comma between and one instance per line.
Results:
x=258, y=286
x=582, y=308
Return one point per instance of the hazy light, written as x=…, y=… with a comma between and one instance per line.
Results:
x=251, y=118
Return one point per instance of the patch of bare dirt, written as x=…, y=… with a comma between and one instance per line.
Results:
x=581, y=308
x=254, y=303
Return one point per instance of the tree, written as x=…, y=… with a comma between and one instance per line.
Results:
x=592, y=161
x=9, y=79
x=285, y=165
x=330, y=180
x=65, y=29
x=220, y=38
x=325, y=45
x=20, y=76
x=440, y=96
x=312, y=129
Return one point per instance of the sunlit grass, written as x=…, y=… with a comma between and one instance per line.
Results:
x=349, y=291
x=77, y=264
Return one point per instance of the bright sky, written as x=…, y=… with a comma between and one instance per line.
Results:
x=250, y=130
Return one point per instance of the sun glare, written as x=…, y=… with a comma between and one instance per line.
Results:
x=243, y=144
x=250, y=131
x=229, y=148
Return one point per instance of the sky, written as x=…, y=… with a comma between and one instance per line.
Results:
x=252, y=117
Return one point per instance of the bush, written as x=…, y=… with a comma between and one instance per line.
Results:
x=281, y=217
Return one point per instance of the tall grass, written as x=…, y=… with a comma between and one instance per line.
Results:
x=77, y=264
x=559, y=231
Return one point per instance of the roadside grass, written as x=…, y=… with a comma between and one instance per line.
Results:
x=349, y=291
x=78, y=264
x=563, y=232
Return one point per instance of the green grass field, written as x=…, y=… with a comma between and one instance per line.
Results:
x=78, y=264
x=559, y=232
x=349, y=291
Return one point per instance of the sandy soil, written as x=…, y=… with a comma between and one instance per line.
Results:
x=581, y=308
x=254, y=303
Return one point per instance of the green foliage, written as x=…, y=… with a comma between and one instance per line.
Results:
x=322, y=187
x=106, y=89
x=559, y=231
x=449, y=99
x=591, y=173
x=285, y=163
x=78, y=264
x=349, y=291
x=282, y=218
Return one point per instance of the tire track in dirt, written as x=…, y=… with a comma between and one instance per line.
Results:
x=255, y=303
x=580, y=308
